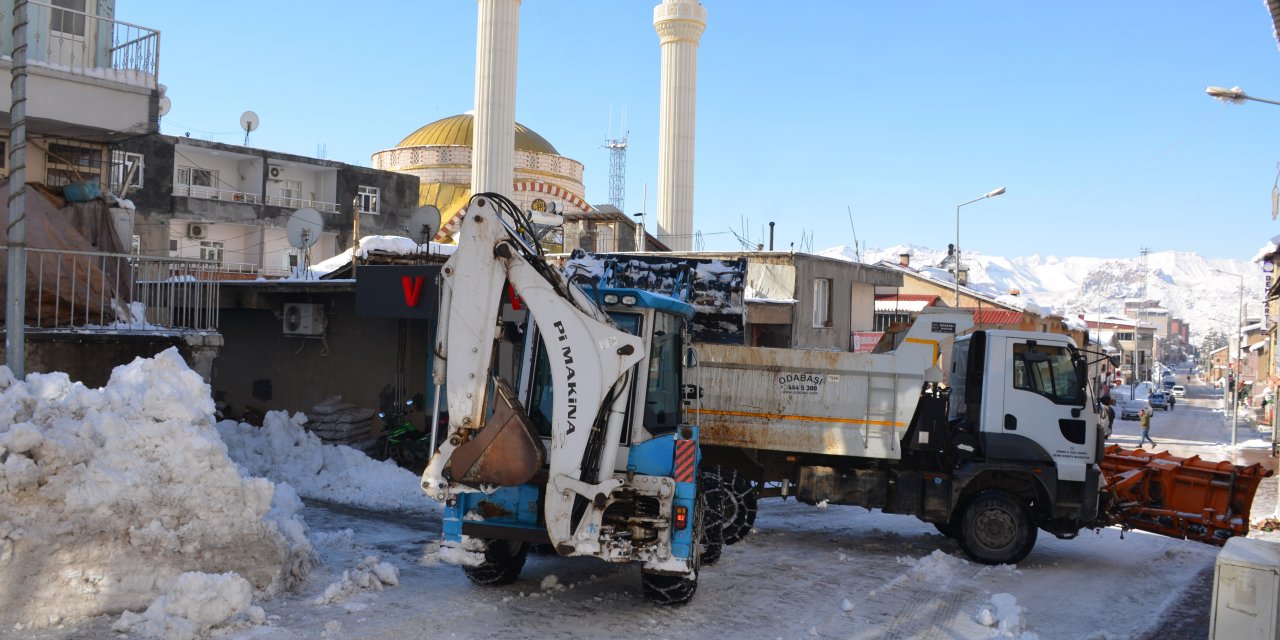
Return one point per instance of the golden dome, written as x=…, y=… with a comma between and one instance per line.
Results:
x=458, y=130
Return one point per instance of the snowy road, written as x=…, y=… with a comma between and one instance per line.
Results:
x=839, y=572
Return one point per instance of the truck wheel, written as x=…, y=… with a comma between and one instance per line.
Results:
x=740, y=516
x=997, y=528
x=715, y=504
x=503, y=560
x=947, y=529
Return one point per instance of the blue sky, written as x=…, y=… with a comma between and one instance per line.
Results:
x=1091, y=113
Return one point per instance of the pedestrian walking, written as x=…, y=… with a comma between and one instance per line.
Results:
x=1144, y=419
x=1172, y=401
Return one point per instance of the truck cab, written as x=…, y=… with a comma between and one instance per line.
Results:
x=1024, y=398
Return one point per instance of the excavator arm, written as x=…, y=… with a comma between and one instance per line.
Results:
x=588, y=358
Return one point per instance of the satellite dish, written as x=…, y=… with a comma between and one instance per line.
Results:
x=304, y=227
x=248, y=121
x=423, y=223
x=165, y=103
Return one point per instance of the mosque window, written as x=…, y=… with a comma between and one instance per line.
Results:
x=368, y=197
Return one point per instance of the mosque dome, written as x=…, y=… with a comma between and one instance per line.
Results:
x=459, y=130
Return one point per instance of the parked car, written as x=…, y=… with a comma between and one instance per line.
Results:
x=1129, y=408
x=1169, y=383
x=1159, y=400
x=1178, y=391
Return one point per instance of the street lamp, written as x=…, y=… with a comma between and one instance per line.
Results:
x=990, y=194
x=1235, y=388
x=1234, y=95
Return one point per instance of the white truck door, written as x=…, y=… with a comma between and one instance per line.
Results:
x=1045, y=403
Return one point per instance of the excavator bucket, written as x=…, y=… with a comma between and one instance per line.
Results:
x=1179, y=497
x=506, y=452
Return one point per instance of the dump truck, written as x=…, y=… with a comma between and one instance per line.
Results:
x=1007, y=442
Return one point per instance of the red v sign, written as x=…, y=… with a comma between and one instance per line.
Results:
x=412, y=286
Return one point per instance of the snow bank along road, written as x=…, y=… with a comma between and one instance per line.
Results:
x=369, y=567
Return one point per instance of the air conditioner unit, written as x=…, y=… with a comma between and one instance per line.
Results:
x=275, y=171
x=197, y=230
x=304, y=319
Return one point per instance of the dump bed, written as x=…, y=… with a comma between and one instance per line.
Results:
x=818, y=402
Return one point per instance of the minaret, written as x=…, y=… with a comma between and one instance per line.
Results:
x=493, y=159
x=679, y=24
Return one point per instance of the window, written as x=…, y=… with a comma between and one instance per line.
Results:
x=135, y=245
x=125, y=165
x=211, y=250
x=1047, y=371
x=662, y=400
x=69, y=22
x=291, y=193
x=821, y=302
x=885, y=320
x=368, y=197
x=201, y=183
x=72, y=161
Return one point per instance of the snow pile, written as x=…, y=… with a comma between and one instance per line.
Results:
x=108, y=495
x=197, y=603
x=937, y=568
x=370, y=574
x=397, y=245
x=285, y=452
x=1005, y=615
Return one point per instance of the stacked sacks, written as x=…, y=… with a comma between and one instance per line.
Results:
x=336, y=422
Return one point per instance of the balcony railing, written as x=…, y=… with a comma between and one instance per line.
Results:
x=298, y=203
x=212, y=193
x=119, y=292
x=87, y=44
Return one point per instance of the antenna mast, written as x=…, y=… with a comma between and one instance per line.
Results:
x=618, y=171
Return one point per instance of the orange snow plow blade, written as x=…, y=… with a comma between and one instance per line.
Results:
x=1178, y=497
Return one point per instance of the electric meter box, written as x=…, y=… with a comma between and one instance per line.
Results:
x=1246, y=590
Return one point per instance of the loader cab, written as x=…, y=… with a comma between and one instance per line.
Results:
x=653, y=391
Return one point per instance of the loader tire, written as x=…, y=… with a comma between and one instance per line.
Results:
x=666, y=589
x=997, y=527
x=740, y=515
x=503, y=560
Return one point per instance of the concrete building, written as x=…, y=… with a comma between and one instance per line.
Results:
x=86, y=91
x=232, y=204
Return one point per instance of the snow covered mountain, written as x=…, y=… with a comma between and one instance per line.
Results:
x=1191, y=287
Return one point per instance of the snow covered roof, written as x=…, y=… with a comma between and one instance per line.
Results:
x=906, y=302
x=1267, y=249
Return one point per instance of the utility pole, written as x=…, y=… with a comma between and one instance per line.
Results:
x=15, y=343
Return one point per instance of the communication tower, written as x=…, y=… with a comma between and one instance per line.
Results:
x=618, y=171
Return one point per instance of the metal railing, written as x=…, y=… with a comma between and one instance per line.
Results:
x=296, y=203
x=213, y=193
x=119, y=292
x=87, y=44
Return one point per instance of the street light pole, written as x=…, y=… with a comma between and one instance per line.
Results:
x=1234, y=95
x=1235, y=388
x=990, y=194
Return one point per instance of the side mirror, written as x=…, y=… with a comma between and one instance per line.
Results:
x=690, y=358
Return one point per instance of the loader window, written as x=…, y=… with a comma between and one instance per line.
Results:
x=541, y=401
x=662, y=401
x=1047, y=370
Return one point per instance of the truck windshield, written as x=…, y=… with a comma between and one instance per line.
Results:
x=1047, y=370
